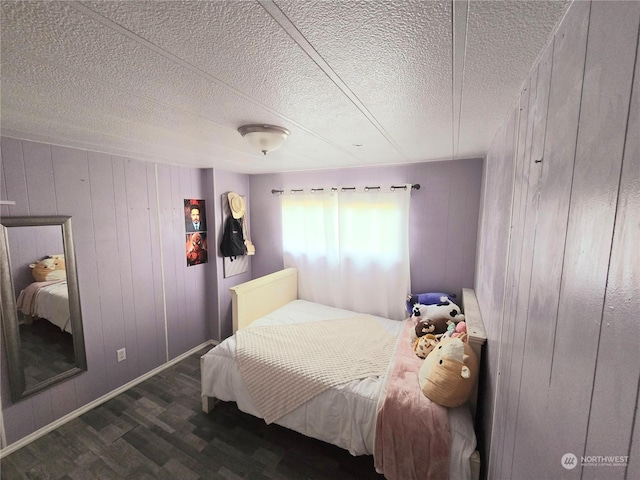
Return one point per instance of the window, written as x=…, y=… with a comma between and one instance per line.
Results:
x=351, y=249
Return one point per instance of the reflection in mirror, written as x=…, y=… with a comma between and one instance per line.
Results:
x=40, y=303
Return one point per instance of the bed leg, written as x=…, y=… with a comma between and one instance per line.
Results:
x=474, y=462
x=209, y=403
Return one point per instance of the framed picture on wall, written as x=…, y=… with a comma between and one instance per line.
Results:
x=195, y=217
x=196, y=248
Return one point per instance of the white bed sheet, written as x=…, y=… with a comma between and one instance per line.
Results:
x=48, y=300
x=52, y=303
x=345, y=415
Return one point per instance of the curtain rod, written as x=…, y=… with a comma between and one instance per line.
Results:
x=415, y=186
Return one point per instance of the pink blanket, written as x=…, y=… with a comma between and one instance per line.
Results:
x=413, y=438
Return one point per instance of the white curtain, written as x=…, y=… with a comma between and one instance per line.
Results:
x=351, y=248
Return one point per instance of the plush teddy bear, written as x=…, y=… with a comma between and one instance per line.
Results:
x=449, y=372
x=427, y=299
x=49, y=269
x=421, y=329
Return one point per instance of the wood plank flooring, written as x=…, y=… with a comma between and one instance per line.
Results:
x=156, y=430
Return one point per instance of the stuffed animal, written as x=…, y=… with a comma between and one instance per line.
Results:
x=424, y=345
x=415, y=317
x=421, y=329
x=449, y=372
x=427, y=299
x=461, y=328
x=49, y=269
x=440, y=313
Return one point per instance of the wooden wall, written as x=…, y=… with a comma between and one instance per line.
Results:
x=558, y=259
x=226, y=182
x=135, y=288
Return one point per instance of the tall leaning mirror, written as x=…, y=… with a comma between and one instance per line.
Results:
x=40, y=305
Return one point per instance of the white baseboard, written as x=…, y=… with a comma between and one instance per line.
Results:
x=98, y=401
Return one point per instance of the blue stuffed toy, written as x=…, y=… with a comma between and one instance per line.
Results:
x=428, y=299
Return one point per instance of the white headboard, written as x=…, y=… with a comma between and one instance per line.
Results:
x=255, y=298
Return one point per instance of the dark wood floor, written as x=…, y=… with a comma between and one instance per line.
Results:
x=156, y=430
x=46, y=351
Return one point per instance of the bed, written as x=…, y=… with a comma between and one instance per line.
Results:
x=345, y=414
x=47, y=300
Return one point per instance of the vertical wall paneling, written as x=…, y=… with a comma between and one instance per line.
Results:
x=118, y=226
x=608, y=431
x=176, y=262
x=15, y=181
x=610, y=58
x=73, y=197
x=225, y=182
x=198, y=298
x=187, y=190
x=38, y=165
x=108, y=269
x=132, y=365
x=166, y=223
x=568, y=370
x=499, y=178
x=536, y=127
x=4, y=206
x=156, y=266
x=188, y=290
x=514, y=154
x=142, y=270
x=504, y=399
x=211, y=279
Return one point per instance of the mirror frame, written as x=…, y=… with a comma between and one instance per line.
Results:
x=9, y=312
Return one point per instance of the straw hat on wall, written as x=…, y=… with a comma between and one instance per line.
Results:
x=237, y=205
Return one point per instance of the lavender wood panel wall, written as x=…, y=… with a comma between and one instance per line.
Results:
x=226, y=182
x=620, y=326
x=190, y=292
x=569, y=318
x=444, y=217
x=120, y=237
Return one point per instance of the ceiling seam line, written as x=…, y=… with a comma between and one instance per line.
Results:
x=296, y=35
x=464, y=66
x=170, y=56
x=453, y=77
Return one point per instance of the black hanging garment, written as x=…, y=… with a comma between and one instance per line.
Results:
x=232, y=239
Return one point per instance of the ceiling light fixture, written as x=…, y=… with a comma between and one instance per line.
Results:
x=265, y=138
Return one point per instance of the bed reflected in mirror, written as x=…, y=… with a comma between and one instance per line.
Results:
x=41, y=315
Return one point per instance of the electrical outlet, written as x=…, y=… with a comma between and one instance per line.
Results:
x=122, y=354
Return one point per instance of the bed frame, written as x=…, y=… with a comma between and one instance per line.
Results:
x=256, y=298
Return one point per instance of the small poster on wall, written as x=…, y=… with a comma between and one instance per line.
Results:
x=195, y=225
x=195, y=218
x=196, y=248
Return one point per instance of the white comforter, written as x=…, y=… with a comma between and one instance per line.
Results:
x=345, y=415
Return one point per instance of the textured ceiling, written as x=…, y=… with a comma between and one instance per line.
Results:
x=356, y=82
